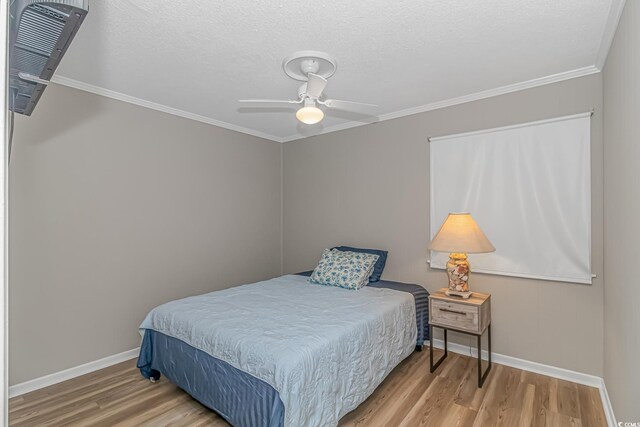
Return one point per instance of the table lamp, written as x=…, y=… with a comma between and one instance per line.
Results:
x=460, y=235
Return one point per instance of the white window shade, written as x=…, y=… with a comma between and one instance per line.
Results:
x=529, y=188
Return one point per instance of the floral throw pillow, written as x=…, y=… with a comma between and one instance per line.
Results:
x=349, y=270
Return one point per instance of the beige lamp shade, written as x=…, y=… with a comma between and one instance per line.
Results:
x=461, y=234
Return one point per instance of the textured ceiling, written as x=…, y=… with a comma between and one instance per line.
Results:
x=201, y=56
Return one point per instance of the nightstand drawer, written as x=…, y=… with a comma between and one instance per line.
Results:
x=458, y=316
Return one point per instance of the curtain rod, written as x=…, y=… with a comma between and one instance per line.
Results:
x=519, y=125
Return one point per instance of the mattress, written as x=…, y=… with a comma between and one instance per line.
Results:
x=284, y=351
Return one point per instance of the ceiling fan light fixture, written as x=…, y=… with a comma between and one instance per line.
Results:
x=310, y=114
x=313, y=68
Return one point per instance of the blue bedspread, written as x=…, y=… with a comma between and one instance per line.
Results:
x=237, y=396
x=421, y=296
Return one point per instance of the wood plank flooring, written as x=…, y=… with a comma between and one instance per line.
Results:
x=410, y=396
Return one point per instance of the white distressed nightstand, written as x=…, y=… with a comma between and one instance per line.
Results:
x=470, y=316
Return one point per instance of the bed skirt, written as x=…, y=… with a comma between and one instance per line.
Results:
x=239, y=398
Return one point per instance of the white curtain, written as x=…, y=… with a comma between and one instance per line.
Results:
x=529, y=189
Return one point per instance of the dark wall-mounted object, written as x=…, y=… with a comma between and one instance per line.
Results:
x=40, y=33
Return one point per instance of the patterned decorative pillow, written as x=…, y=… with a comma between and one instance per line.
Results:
x=378, y=268
x=349, y=270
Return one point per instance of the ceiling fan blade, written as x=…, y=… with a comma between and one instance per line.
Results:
x=356, y=107
x=315, y=85
x=269, y=102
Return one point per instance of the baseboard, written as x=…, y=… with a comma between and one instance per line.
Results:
x=67, y=374
x=539, y=368
x=514, y=362
x=608, y=408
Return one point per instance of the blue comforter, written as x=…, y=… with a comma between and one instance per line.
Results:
x=251, y=370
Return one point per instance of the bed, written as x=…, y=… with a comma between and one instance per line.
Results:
x=284, y=352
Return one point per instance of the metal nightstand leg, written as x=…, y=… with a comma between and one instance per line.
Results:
x=432, y=366
x=481, y=376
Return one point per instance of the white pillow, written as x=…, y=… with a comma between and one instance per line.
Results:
x=349, y=270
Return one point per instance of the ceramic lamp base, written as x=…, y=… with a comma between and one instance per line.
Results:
x=458, y=270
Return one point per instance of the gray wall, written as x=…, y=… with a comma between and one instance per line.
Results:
x=369, y=186
x=621, y=208
x=115, y=209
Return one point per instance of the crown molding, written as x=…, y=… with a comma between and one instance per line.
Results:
x=617, y=6
x=541, y=81
x=65, y=81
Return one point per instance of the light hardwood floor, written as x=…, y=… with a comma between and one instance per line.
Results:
x=410, y=396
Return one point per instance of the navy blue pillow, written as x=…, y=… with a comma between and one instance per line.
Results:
x=380, y=263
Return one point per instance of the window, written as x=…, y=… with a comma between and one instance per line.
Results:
x=528, y=186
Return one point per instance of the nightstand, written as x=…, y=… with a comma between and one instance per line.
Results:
x=470, y=316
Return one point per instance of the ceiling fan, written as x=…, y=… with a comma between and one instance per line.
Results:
x=313, y=68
